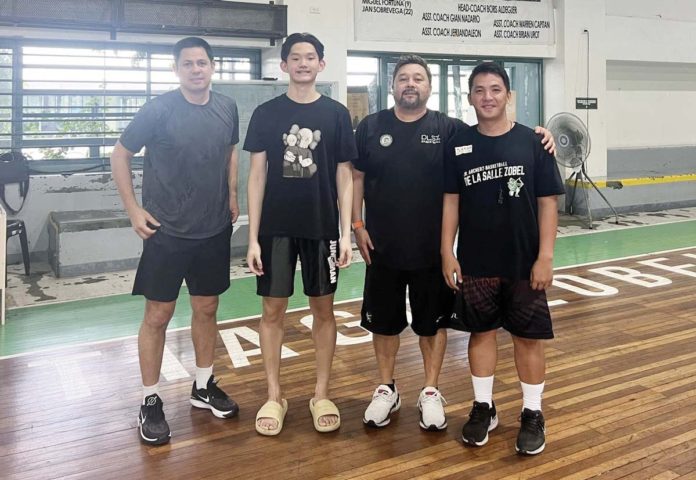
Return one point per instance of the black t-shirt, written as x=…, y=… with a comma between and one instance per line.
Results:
x=403, y=166
x=304, y=144
x=186, y=164
x=498, y=180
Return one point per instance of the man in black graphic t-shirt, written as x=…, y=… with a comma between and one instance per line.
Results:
x=300, y=191
x=399, y=174
x=501, y=194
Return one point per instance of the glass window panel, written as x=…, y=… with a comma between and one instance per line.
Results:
x=363, y=64
x=363, y=87
x=525, y=82
x=361, y=80
x=458, y=89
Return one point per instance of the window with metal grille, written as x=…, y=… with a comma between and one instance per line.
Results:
x=65, y=105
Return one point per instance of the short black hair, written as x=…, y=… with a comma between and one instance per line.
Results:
x=191, y=42
x=489, y=67
x=301, y=38
x=409, y=59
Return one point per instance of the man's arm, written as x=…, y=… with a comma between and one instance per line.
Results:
x=232, y=182
x=344, y=185
x=256, y=187
x=121, y=173
x=450, y=222
x=362, y=236
x=542, y=270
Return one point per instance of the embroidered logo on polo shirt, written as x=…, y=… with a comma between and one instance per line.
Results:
x=461, y=150
x=434, y=139
x=385, y=140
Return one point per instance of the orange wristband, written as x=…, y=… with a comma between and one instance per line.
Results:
x=358, y=224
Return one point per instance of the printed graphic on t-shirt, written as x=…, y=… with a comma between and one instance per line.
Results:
x=514, y=186
x=495, y=171
x=298, y=161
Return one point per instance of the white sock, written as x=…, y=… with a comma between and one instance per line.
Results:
x=531, y=395
x=202, y=376
x=483, y=389
x=152, y=389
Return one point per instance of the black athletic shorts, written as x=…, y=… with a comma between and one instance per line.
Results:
x=167, y=261
x=488, y=303
x=384, y=300
x=318, y=258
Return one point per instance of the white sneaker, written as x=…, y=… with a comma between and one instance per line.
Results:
x=384, y=403
x=432, y=412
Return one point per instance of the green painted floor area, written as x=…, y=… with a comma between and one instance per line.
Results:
x=82, y=321
x=598, y=246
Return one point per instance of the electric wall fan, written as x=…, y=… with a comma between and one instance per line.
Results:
x=572, y=149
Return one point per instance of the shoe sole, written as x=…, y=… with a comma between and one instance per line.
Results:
x=531, y=452
x=218, y=413
x=385, y=422
x=150, y=441
x=494, y=423
x=432, y=427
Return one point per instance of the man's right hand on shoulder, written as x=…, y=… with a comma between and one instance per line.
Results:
x=254, y=259
x=144, y=224
x=364, y=242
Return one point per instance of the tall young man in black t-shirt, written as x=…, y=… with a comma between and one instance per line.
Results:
x=301, y=146
x=501, y=194
x=399, y=174
x=190, y=166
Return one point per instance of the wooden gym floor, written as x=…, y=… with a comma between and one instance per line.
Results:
x=620, y=400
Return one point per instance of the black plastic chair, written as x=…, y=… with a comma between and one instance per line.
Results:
x=16, y=227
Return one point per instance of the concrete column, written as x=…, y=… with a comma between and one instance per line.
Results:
x=566, y=76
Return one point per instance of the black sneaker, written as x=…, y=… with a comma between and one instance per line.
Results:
x=531, y=439
x=153, y=428
x=482, y=419
x=214, y=399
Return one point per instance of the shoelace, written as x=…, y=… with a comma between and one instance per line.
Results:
x=383, y=395
x=480, y=413
x=431, y=399
x=215, y=391
x=531, y=424
x=155, y=412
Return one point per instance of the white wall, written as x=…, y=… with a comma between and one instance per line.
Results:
x=683, y=10
x=651, y=73
x=650, y=104
x=49, y=193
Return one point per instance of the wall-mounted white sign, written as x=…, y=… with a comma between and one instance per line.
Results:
x=513, y=22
